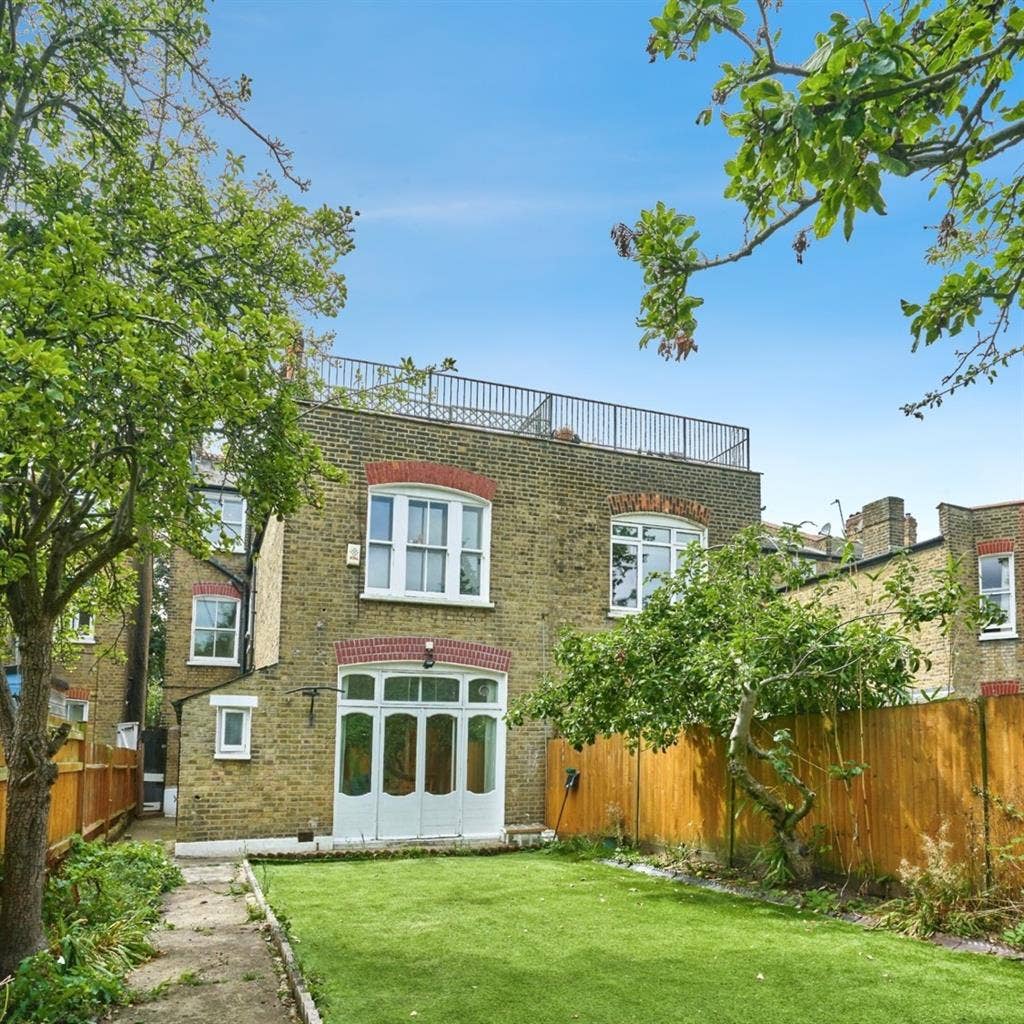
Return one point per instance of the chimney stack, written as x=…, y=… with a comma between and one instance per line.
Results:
x=882, y=527
x=909, y=531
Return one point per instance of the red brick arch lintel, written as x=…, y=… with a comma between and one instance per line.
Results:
x=437, y=474
x=1003, y=546
x=666, y=504
x=215, y=590
x=371, y=649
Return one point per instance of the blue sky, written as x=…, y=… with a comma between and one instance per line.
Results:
x=491, y=146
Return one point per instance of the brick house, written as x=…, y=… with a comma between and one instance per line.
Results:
x=987, y=541
x=341, y=677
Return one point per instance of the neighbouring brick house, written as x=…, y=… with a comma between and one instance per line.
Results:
x=987, y=542
x=476, y=521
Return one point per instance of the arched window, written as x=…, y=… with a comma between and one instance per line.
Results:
x=428, y=544
x=643, y=546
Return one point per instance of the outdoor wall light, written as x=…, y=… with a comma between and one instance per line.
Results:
x=428, y=654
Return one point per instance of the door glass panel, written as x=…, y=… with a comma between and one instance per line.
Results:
x=399, y=755
x=402, y=688
x=481, y=754
x=439, y=689
x=483, y=691
x=440, y=757
x=624, y=576
x=356, y=753
x=357, y=687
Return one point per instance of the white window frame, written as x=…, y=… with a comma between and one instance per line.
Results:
x=68, y=701
x=83, y=636
x=224, y=703
x=1004, y=630
x=640, y=520
x=401, y=494
x=214, y=499
x=195, y=659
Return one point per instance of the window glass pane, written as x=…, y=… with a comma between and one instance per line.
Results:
x=202, y=645
x=399, y=755
x=438, y=523
x=76, y=711
x=469, y=574
x=624, y=578
x=233, y=723
x=226, y=614
x=1002, y=600
x=481, y=754
x=435, y=571
x=417, y=522
x=205, y=613
x=378, y=566
x=656, y=559
x=472, y=527
x=439, y=688
x=357, y=687
x=440, y=754
x=660, y=534
x=356, y=753
x=685, y=537
x=995, y=573
x=224, y=645
x=381, y=512
x=403, y=688
x=621, y=530
x=483, y=691
x=414, y=563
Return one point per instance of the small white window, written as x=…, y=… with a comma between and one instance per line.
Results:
x=995, y=582
x=234, y=726
x=228, y=534
x=426, y=544
x=76, y=710
x=642, y=546
x=82, y=626
x=214, y=631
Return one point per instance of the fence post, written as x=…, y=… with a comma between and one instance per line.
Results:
x=83, y=781
x=986, y=826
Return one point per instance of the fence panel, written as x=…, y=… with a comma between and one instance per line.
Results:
x=96, y=784
x=883, y=779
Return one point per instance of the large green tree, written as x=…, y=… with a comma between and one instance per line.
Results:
x=915, y=90
x=151, y=294
x=724, y=643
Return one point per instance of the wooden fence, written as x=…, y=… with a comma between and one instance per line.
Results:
x=958, y=763
x=95, y=786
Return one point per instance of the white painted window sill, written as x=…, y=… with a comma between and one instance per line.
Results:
x=232, y=757
x=436, y=599
x=212, y=663
x=84, y=640
x=622, y=613
x=997, y=636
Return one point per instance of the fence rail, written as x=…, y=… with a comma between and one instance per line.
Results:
x=956, y=762
x=508, y=409
x=96, y=785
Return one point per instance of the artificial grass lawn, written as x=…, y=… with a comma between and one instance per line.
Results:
x=539, y=938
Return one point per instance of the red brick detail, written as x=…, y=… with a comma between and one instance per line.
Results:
x=371, y=649
x=1000, y=688
x=434, y=473
x=215, y=589
x=1003, y=546
x=78, y=693
x=685, y=508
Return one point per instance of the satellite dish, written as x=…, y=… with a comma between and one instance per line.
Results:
x=826, y=530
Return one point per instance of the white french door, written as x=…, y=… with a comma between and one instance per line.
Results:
x=419, y=755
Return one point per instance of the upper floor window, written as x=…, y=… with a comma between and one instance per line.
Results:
x=215, y=630
x=228, y=533
x=995, y=579
x=428, y=544
x=643, y=545
x=76, y=710
x=82, y=626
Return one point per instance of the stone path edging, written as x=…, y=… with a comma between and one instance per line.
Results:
x=307, y=1010
x=952, y=942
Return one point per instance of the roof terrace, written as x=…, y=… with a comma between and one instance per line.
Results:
x=507, y=409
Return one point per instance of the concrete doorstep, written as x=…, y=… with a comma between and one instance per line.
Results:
x=214, y=963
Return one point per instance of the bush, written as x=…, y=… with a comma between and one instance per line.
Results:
x=98, y=907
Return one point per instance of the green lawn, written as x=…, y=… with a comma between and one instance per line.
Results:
x=539, y=938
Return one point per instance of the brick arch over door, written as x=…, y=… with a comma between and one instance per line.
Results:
x=666, y=504
x=371, y=649
x=435, y=473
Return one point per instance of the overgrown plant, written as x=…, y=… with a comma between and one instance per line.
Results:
x=723, y=644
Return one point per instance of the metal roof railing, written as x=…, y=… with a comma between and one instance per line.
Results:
x=507, y=409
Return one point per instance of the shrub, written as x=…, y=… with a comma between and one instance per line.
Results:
x=98, y=907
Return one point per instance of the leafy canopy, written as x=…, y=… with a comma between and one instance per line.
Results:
x=918, y=90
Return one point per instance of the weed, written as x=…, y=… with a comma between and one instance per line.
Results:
x=191, y=979
x=251, y=976
x=254, y=912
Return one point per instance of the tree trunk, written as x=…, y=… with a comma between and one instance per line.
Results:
x=30, y=774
